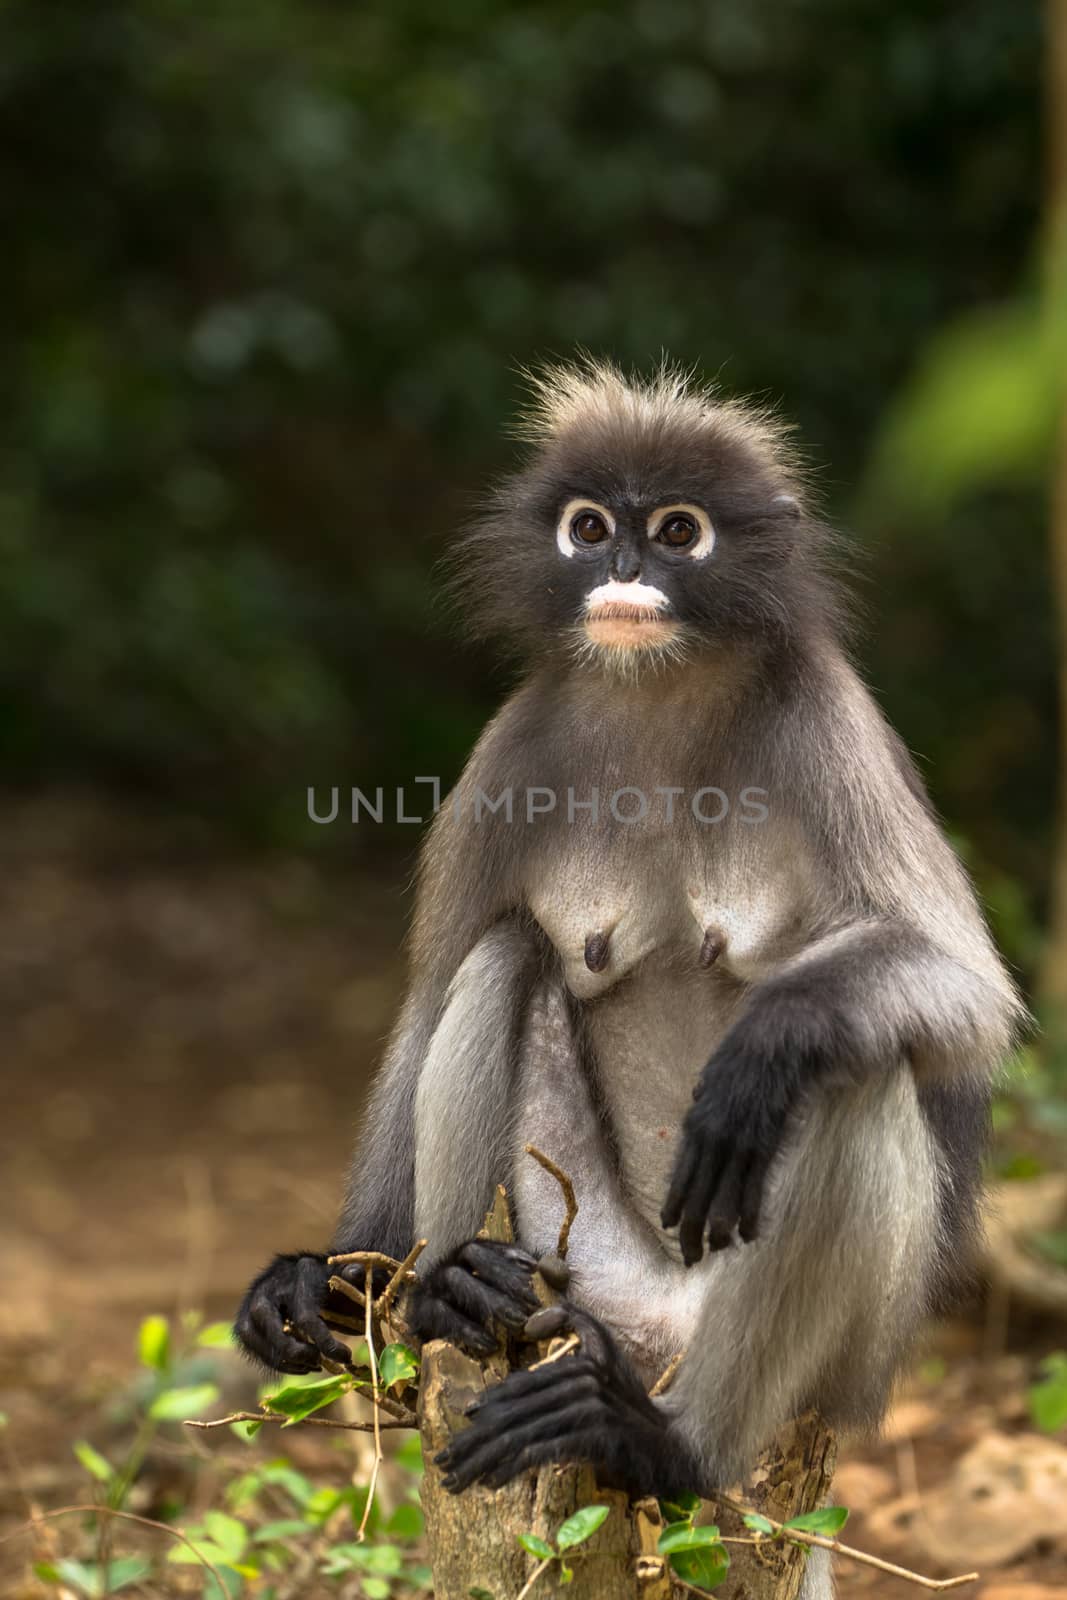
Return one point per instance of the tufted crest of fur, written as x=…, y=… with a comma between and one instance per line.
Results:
x=564, y=396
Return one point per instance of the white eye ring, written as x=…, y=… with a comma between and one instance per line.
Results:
x=704, y=543
x=567, y=516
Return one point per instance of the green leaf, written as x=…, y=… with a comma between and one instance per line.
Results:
x=566, y=1574
x=409, y=1456
x=216, y=1336
x=297, y=1401
x=175, y=1405
x=581, y=1526
x=703, y=1568
x=406, y=1522
x=397, y=1363
x=286, y=1528
x=283, y=1476
x=535, y=1546
x=181, y=1555
x=683, y=1536
x=321, y=1505
x=828, y=1521
x=229, y=1534
x=127, y=1569
x=84, y=1576
x=1048, y=1399
x=757, y=1523
x=94, y=1462
x=153, y=1343
x=478, y=1593
x=245, y=1430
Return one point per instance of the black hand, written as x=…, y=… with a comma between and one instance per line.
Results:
x=729, y=1138
x=587, y=1407
x=482, y=1285
x=291, y=1291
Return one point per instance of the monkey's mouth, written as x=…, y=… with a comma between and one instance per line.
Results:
x=628, y=625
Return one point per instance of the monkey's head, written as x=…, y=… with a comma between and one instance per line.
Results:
x=649, y=521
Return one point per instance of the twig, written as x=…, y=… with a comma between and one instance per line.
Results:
x=373, y=1258
x=124, y=1516
x=361, y=1531
x=801, y=1536
x=342, y=1286
x=337, y=1319
x=532, y=1579
x=402, y=1274
x=571, y=1342
x=310, y=1422
x=666, y=1377
x=568, y=1194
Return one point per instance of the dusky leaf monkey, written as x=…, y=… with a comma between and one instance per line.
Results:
x=760, y=1041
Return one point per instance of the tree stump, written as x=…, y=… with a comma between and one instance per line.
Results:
x=473, y=1537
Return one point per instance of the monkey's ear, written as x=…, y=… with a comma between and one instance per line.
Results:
x=787, y=504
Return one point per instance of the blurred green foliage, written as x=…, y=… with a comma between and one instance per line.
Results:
x=271, y=269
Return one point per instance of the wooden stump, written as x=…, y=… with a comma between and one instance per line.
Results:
x=473, y=1537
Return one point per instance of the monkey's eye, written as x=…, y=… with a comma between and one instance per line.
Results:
x=677, y=531
x=588, y=527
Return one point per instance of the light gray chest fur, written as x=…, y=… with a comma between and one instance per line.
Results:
x=688, y=924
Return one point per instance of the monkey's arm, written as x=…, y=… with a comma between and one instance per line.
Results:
x=857, y=1001
x=469, y=964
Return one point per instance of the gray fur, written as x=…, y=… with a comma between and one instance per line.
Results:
x=847, y=903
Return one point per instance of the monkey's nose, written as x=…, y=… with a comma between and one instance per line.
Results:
x=626, y=565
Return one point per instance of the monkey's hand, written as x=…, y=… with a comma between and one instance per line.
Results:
x=730, y=1136
x=588, y=1407
x=482, y=1285
x=279, y=1322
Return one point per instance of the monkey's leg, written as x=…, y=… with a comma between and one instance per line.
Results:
x=467, y=1031
x=824, y=1305
x=464, y=1117
x=819, y=1310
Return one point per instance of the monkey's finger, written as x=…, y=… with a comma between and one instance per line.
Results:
x=685, y=1166
x=433, y=1318
x=479, y=1300
x=725, y=1205
x=752, y=1199
x=697, y=1203
x=499, y=1456
x=262, y=1332
x=505, y=1266
x=508, y=1406
x=304, y=1313
x=535, y=1382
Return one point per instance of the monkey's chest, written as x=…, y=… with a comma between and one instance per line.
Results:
x=691, y=904
x=660, y=938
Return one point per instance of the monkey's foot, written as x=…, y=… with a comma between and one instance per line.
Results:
x=481, y=1285
x=588, y=1407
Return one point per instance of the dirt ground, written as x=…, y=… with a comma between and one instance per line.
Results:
x=187, y=1044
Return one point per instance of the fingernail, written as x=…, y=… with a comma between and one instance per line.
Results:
x=544, y=1323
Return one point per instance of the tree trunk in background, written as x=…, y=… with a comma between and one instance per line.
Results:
x=472, y=1537
x=1053, y=987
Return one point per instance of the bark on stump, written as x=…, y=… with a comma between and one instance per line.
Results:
x=473, y=1536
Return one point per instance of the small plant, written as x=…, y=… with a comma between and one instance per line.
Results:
x=1048, y=1399
x=570, y=1534
x=695, y=1552
x=273, y=1518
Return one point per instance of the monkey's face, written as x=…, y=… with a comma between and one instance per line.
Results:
x=649, y=525
x=630, y=570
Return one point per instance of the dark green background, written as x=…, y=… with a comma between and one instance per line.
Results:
x=269, y=270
